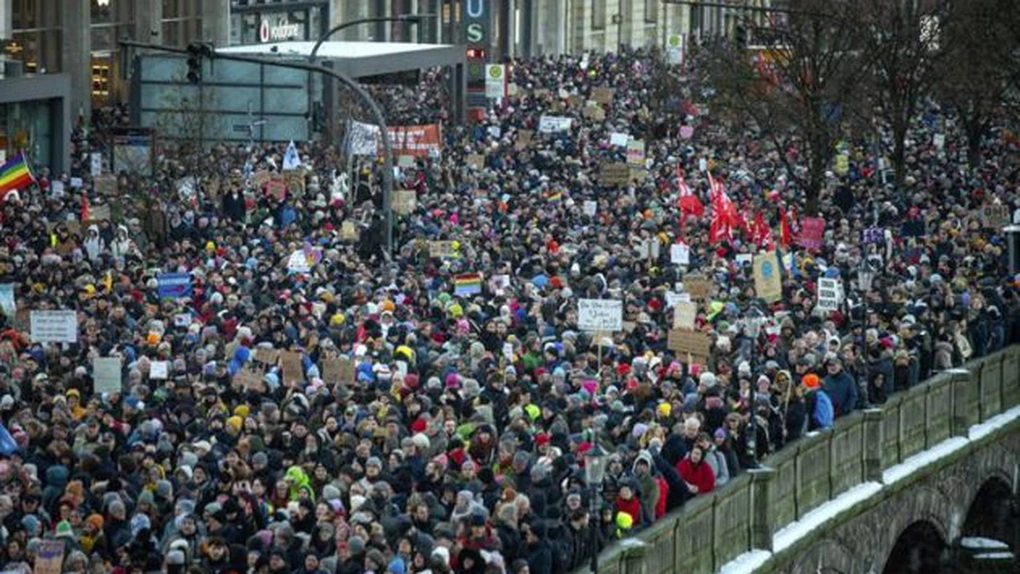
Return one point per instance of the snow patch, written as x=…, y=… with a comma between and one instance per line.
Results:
x=982, y=543
x=790, y=533
x=746, y=562
x=912, y=464
x=995, y=556
x=982, y=430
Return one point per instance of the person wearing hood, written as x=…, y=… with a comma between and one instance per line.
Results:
x=122, y=245
x=647, y=485
x=94, y=244
x=840, y=387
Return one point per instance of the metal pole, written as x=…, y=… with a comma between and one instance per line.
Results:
x=343, y=78
x=593, y=523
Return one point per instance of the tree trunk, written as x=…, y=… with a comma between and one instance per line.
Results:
x=899, y=154
x=974, y=134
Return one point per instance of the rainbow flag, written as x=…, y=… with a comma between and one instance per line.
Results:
x=467, y=284
x=14, y=175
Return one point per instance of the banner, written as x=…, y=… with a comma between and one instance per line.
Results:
x=614, y=174
x=174, y=285
x=697, y=346
x=812, y=232
x=54, y=326
x=636, y=153
x=441, y=249
x=106, y=375
x=424, y=140
x=553, y=124
x=604, y=315
x=767, y=283
x=829, y=294
x=467, y=284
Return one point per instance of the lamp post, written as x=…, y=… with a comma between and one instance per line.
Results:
x=595, y=463
x=753, y=330
x=865, y=278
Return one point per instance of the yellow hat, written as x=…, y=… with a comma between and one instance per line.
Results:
x=456, y=310
x=665, y=409
x=210, y=245
x=242, y=411
x=388, y=305
x=337, y=319
x=235, y=422
x=624, y=521
x=90, y=289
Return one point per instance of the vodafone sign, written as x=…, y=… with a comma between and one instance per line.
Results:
x=282, y=30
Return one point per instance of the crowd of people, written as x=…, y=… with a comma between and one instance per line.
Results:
x=455, y=437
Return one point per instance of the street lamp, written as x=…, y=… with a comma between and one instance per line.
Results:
x=753, y=329
x=865, y=279
x=595, y=463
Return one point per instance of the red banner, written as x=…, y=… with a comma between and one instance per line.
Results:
x=416, y=140
x=812, y=232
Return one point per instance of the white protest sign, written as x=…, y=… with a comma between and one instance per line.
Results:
x=685, y=313
x=96, y=163
x=77, y=183
x=828, y=294
x=54, y=326
x=159, y=370
x=702, y=165
x=600, y=315
x=106, y=375
x=298, y=262
x=619, y=139
x=590, y=207
x=680, y=254
x=673, y=298
x=57, y=188
x=553, y=124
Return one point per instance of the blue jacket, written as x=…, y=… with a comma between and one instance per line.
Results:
x=842, y=389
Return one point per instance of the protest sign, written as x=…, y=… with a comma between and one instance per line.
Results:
x=106, y=186
x=292, y=365
x=294, y=180
x=173, y=285
x=874, y=235
x=553, y=124
x=261, y=178
x=614, y=174
x=812, y=231
x=828, y=294
x=54, y=326
x=767, y=282
x=49, y=558
x=498, y=284
x=602, y=95
x=99, y=212
x=593, y=113
x=680, y=254
x=442, y=249
x=590, y=207
x=95, y=164
x=995, y=216
x=523, y=139
x=106, y=375
x=159, y=370
x=298, y=262
x=842, y=164
x=247, y=378
x=267, y=356
x=338, y=371
x=475, y=160
x=698, y=286
x=694, y=344
x=348, y=231
x=619, y=139
x=686, y=132
x=685, y=314
x=404, y=201
x=600, y=315
x=76, y=183
x=7, y=305
x=423, y=140
x=636, y=153
x=575, y=100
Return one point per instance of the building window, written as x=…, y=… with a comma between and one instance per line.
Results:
x=598, y=15
x=181, y=22
x=651, y=11
x=35, y=35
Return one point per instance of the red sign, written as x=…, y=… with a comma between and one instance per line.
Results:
x=416, y=140
x=812, y=230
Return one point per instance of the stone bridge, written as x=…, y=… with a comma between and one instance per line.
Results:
x=886, y=490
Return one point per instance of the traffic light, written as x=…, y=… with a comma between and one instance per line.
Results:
x=194, y=63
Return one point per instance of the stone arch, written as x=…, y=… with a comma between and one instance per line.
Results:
x=990, y=514
x=827, y=556
x=920, y=547
x=919, y=503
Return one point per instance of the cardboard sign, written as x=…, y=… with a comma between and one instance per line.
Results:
x=685, y=315
x=106, y=375
x=600, y=315
x=575, y=101
x=699, y=287
x=995, y=216
x=54, y=326
x=293, y=366
x=829, y=294
x=672, y=298
x=348, y=231
x=636, y=153
x=523, y=139
x=593, y=113
x=294, y=179
x=246, y=378
x=614, y=174
x=99, y=212
x=404, y=201
x=812, y=232
x=267, y=356
x=159, y=370
x=106, y=185
x=338, y=371
x=475, y=160
x=591, y=207
x=603, y=95
x=49, y=559
x=442, y=249
x=683, y=343
x=767, y=283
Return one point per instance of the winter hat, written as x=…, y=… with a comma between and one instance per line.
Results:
x=397, y=566
x=64, y=530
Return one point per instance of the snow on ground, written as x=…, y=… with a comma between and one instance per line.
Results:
x=793, y=532
x=746, y=562
x=981, y=543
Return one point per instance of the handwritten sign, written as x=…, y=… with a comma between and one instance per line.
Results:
x=603, y=95
x=614, y=174
x=766, y=277
x=49, y=559
x=636, y=153
x=873, y=235
x=106, y=185
x=348, y=231
x=680, y=254
x=683, y=343
x=475, y=160
x=404, y=201
x=829, y=294
x=600, y=315
x=339, y=370
x=523, y=139
x=593, y=113
x=995, y=216
x=106, y=375
x=267, y=356
x=159, y=370
x=699, y=287
x=247, y=378
x=293, y=367
x=685, y=315
x=54, y=326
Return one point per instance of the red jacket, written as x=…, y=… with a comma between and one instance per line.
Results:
x=700, y=475
x=631, y=507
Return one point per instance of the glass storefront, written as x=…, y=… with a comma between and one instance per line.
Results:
x=28, y=126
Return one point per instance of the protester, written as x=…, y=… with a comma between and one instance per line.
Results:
x=307, y=402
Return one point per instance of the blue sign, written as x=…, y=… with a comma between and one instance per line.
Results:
x=174, y=285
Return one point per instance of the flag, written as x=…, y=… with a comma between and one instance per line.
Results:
x=761, y=232
x=8, y=445
x=554, y=195
x=724, y=213
x=291, y=159
x=14, y=175
x=785, y=234
x=467, y=284
x=689, y=203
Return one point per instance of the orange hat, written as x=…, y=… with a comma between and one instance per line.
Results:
x=811, y=381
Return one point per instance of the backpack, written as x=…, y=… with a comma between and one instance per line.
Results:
x=824, y=413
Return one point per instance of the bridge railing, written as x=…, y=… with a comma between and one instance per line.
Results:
x=715, y=528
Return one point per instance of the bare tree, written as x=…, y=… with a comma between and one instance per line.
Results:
x=796, y=93
x=902, y=42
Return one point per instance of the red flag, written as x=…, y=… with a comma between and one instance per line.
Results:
x=761, y=232
x=785, y=232
x=84, y=205
x=689, y=203
x=724, y=213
